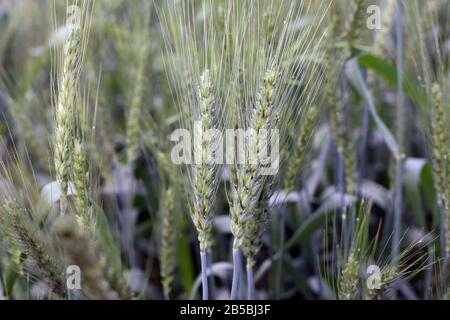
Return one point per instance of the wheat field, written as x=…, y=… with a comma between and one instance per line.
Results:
x=225, y=150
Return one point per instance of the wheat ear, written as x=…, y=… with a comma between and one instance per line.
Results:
x=204, y=174
x=65, y=122
x=355, y=25
x=82, y=251
x=133, y=127
x=249, y=180
x=440, y=159
x=249, y=184
x=302, y=143
x=336, y=112
x=168, y=243
x=14, y=216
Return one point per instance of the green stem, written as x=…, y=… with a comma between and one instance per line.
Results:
x=236, y=271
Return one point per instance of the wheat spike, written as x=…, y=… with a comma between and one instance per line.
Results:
x=204, y=175
x=133, y=127
x=65, y=122
x=440, y=157
x=15, y=217
x=168, y=243
x=249, y=179
x=302, y=143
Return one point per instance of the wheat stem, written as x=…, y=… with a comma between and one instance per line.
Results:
x=236, y=270
x=250, y=282
x=440, y=158
x=204, y=264
x=400, y=123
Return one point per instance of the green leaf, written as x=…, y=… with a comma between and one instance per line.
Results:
x=412, y=180
x=184, y=261
x=107, y=241
x=355, y=77
x=388, y=72
x=300, y=281
x=11, y=275
x=376, y=193
x=333, y=202
x=419, y=187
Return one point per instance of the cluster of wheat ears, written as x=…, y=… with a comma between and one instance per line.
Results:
x=87, y=179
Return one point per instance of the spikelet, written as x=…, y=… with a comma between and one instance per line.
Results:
x=349, y=278
x=168, y=242
x=80, y=180
x=254, y=227
x=354, y=257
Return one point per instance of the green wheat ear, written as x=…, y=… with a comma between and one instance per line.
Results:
x=133, y=127
x=334, y=98
x=14, y=219
x=355, y=25
x=82, y=251
x=249, y=180
x=204, y=175
x=336, y=111
x=304, y=136
x=66, y=100
x=440, y=157
x=65, y=121
x=168, y=242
